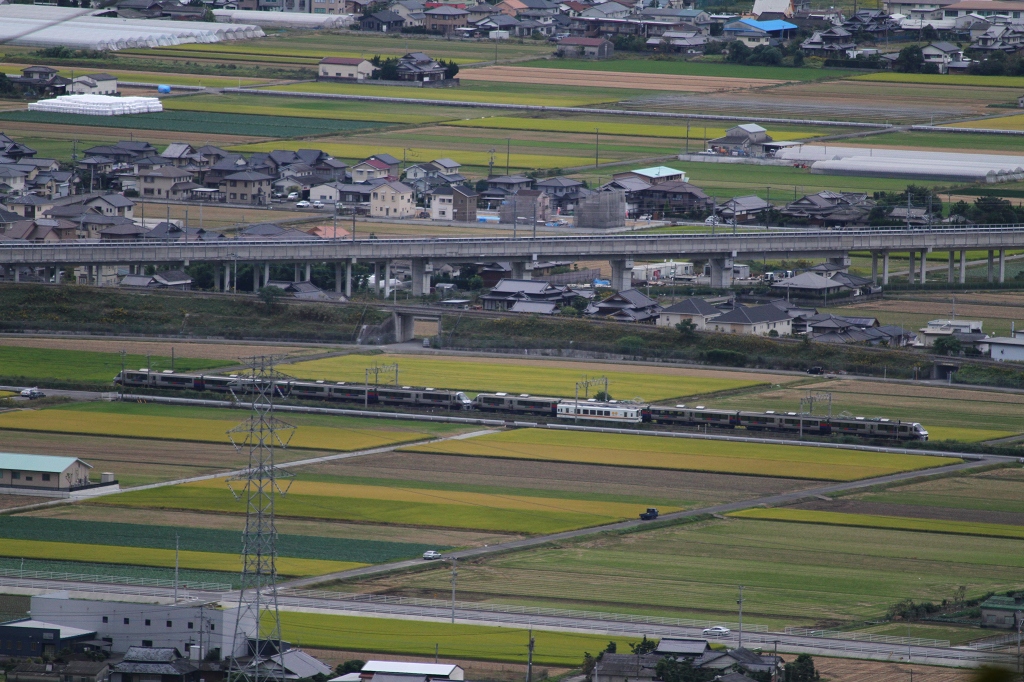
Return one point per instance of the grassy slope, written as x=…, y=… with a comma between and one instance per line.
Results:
x=541, y=378
x=794, y=574
x=686, y=454
x=85, y=366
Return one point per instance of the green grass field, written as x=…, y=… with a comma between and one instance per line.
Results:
x=692, y=68
x=478, y=91
x=40, y=364
x=788, y=461
x=793, y=574
x=210, y=425
x=995, y=530
x=515, y=376
x=293, y=108
x=152, y=76
x=561, y=125
x=995, y=491
x=954, y=81
x=453, y=641
x=202, y=540
x=402, y=503
x=199, y=122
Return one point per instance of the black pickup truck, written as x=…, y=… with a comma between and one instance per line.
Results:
x=649, y=515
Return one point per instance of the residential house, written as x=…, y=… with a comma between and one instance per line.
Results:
x=754, y=33
x=390, y=670
x=832, y=42
x=30, y=205
x=525, y=206
x=626, y=667
x=564, y=192
x=809, y=284
x=591, y=48
x=829, y=208
x=759, y=320
x=343, y=193
x=671, y=198
x=72, y=671
x=509, y=184
x=510, y=7
x=166, y=183
x=152, y=662
x=775, y=9
x=691, y=42
x=94, y=84
x=247, y=187
x=747, y=139
x=744, y=209
x=741, y=660
x=350, y=68
x=453, y=202
x=1006, y=349
x=444, y=20
x=417, y=66
x=411, y=11
x=679, y=647
x=112, y=204
x=371, y=169
x=14, y=150
x=41, y=81
x=968, y=332
x=384, y=21
x=392, y=199
x=695, y=310
x=653, y=175
x=1002, y=612
x=508, y=292
x=42, y=230
x=606, y=10
x=943, y=54
x=628, y=305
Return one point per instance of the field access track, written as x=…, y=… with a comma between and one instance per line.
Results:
x=612, y=79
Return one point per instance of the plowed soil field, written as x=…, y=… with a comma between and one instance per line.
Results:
x=612, y=79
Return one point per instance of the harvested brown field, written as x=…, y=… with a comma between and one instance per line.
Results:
x=680, y=487
x=910, y=391
x=1003, y=309
x=852, y=670
x=612, y=79
x=229, y=352
x=1009, y=298
x=851, y=506
x=327, y=529
x=11, y=501
x=136, y=461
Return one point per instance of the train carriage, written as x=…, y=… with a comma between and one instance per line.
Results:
x=592, y=410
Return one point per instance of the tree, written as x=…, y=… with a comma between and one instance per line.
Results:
x=644, y=646
x=630, y=345
x=798, y=59
x=451, y=69
x=948, y=345
x=737, y=52
x=802, y=670
x=588, y=665
x=388, y=69
x=687, y=329
x=611, y=648
x=929, y=33
x=269, y=295
x=603, y=397
x=910, y=60
x=353, y=665
x=671, y=670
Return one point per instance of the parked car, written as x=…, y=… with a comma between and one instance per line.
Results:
x=32, y=393
x=293, y=196
x=318, y=204
x=302, y=204
x=431, y=555
x=716, y=631
x=649, y=515
x=712, y=220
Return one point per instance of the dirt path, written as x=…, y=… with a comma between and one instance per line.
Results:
x=612, y=79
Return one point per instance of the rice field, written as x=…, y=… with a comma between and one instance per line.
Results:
x=995, y=530
x=789, y=461
x=305, y=108
x=989, y=491
x=453, y=641
x=113, y=554
x=204, y=425
x=682, y=67
x=399, y=503
x=551, y=378
x=944, y=79
x=559, y=125
x=40, y=364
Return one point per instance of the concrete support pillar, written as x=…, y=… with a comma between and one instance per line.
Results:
x=296, y=279
x=376, y=278
x=420, y=277
x=337, y=277
x=227, y=277
x=721, y=273
x=874, y=268
x=622, y=274
x=842, y=261
x=266, y=274
x=990, y=266
x=520, y=271
x=17, y=274
x=924, y=267
x=1002, y=265
x=885, y=269
x=952, y=267
x=308, y=271
x=348, y=279
x=910, y=272
x=58, y=273
x=216, y=278
x=387, y=278
x=963, y=267
x=255, y=277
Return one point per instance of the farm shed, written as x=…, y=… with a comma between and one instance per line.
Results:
x=434, y=671
x=42, y=472
x=28, y=637
x=1004, y=349
x=1002, y=612
x=592, y=48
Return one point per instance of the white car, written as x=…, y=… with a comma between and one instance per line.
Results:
x=32, y=393
x=293, y=196
x=712, y=220
x=716, y=631
x=302, y=204
x=431, y=555
x=318, y=204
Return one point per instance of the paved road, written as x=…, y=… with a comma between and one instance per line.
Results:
x=771, y=500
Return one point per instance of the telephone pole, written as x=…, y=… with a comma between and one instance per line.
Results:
x=455, y=580
x=529, y=658
x=740, y=602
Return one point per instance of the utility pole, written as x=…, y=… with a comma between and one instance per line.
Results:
x=508, y=153
x=176, y=544
x=597, y=147
x=740, y=602
x=455, y=580
x=120, y=387
x=529, y=658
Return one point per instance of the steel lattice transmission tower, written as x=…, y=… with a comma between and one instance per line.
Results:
x=258, y=619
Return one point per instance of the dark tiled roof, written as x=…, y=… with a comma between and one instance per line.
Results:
x=753, y=315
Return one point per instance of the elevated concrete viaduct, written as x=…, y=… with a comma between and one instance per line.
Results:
x=620, y=250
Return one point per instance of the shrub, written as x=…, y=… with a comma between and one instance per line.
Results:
x=729, y=358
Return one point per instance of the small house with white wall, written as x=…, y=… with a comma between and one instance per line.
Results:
x=41, y=473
